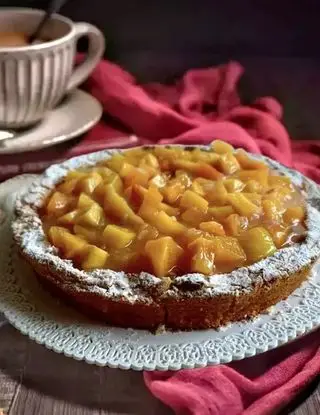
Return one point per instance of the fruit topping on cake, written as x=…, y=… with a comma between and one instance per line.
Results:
x=173, y=211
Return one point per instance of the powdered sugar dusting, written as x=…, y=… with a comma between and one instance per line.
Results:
x=30, y=237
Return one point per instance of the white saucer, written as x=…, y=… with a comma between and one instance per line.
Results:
x=76, y=114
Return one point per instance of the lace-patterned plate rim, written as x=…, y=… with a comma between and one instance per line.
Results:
x=35, y=313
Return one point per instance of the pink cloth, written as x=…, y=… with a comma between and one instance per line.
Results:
x=203, y=106
x=261, y=385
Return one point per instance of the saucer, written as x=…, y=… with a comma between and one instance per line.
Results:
x=75, y=115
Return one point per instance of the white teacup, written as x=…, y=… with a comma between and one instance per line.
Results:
x=34, y=78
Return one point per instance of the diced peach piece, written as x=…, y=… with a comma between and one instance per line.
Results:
x=85, y=201
x=117, y=237
x=96, y=258
x=71, y=245
x=261, y=176
x=204, y=156
x=89, y=183
x=279, y=234
x=212, y=227
x=92, y=235
x=170, y=210
x=197, y=188
x=113, y=180
x=148, y=211
x=68, y=218
x=217, y=194
x=93, y=216
x=193, y=217
x=257, y=244
x=253, y=186
x=233, y=185
x=272, y=210
x=76, y=174
x=234, y=224
x=202, y=260
x=104, y=172
x=153, y=196
x=220, y=212
x=199, y=169
x=167, y=224
x=173, y=191
x=134, y=155
x=228, y=252
x=56, y=235
x=221, y=147
x=228, y=164
x=243, y=205
x=67, y=186
x=191, y=199
x=147, y=232
x=248, y=163
x=207, y=171
x=294, y=214
x=149, y=160
x=118, y=206
x=190, y=235
x=58, y=204
x=115, y=162
x=164, y=254
x=134, y=175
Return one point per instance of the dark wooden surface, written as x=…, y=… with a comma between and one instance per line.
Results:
x=36, y=381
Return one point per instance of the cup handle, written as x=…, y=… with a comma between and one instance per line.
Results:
x=95, y=52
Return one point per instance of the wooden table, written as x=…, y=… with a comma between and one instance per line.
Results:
x=34, y=380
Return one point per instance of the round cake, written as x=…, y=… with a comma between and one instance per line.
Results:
x=177, y=237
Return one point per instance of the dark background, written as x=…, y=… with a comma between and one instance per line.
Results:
x=276, y=41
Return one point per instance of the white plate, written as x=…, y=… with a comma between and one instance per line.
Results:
x=35, y=313
x=76, y=114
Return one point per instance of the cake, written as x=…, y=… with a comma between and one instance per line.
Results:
x=181, y=237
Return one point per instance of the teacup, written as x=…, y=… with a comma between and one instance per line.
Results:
x=34, y=78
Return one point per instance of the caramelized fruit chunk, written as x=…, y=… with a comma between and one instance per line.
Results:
x=95, y=258
x=89, y=183
x=93, y=216
x=228, y=252
x=164, y=254
x=228, y=164
x=92, y=235
x=117, y=237
x=58, y=204
x=243, y=205
x=257, y=244
x=234, y=224
x=68, y=218
x=118, y=206
x=222, y=147
x=193, y=217
x=247, y=162
x=212, y=227
x=71, y=245
x=191, y=199
x=202, y=260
